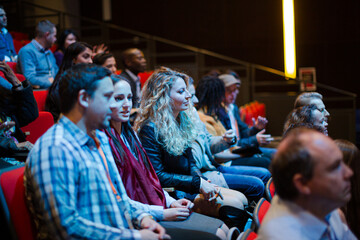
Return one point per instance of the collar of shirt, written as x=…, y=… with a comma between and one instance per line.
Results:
x=39, y=47
x=311, y=225
x=133, y=76
x=79, y=135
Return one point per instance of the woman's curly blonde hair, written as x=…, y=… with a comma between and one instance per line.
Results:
x=156, y=106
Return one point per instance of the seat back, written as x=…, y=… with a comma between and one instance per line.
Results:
x=259, y=213
x=37, y=128
x=269, y=190
x=248, y=235
x=12, y=197
x=40, y=97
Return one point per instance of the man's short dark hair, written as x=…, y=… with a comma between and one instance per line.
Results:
x=80, y=76
x=43, y=27
x=291, y=159
x=127, y=55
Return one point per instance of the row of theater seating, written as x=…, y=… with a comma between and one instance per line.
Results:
x=21, y=225
x=252, y=110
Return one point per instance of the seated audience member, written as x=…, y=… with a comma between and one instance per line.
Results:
x=72, y=186
x=134, y=63
x=166, y=130
x=36, y=62
x=230, y=118
x=351, y=156
x=308, y=98
x=77, y=52
x=67, y=37
x=7, y=50
x=307, y=116
x=106, y=60
x=249, y=180
x=210, y=92
x=17, y=109
x=138, y=176
x=312, y=182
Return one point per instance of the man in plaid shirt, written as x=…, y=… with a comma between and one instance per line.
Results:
x=72, y=185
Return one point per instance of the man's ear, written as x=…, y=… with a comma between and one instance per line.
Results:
x=83, y=98
x=301, y=184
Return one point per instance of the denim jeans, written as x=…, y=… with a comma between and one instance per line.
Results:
x=249, y=180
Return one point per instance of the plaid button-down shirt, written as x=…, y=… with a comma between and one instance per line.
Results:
x=68, y=190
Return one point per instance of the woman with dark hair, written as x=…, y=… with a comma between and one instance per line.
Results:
x=78, y=52
x=210, y=92
x=66, y=38
x=106, y=60
x=308, y=116
x=138, y=175
x=247, y=179
x=351, y=156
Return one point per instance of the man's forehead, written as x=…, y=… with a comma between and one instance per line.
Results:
x=317, y=102
x=2, y=11
x=105, y=84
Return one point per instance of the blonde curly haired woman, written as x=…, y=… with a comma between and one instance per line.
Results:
x=167, y=131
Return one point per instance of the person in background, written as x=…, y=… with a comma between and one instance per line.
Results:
x=35, y=60
x=17, y=109
x=134, y=63
x=210, y=92
x=77, y=52
x=7, y=49
x=249, y=180
x=311, y=182
x=67, y=37
x=351, y=156
x=106, y=60
x=230, y=118
x=307, y=116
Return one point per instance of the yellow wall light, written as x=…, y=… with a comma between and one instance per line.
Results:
x=289, y=38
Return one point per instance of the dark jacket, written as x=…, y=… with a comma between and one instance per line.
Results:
x=173, y=171
x=21, y=107
x=247, y=135
x=135, y=99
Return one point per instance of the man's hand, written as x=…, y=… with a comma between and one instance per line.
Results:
x=152, y=230
x=182, y=203
x=25, y=145
x=263, y=139
x=7, y=125
x=260, y=122
x=229, y=136
x=176, y=214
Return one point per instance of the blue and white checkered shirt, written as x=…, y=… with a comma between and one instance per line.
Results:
x=68, y=190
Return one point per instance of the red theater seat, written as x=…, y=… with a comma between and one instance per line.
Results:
x=259, y=213
x=40, y=97
x=38, y=127
x=270, y=190
x=248, y=235
x=12, y=196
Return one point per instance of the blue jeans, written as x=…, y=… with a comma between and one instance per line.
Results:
x=249, y=180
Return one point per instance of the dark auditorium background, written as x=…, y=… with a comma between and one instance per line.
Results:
x=327, y=36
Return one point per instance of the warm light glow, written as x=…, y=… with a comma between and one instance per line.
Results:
x=289, y=38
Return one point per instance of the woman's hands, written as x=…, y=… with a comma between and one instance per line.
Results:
x=208, y=189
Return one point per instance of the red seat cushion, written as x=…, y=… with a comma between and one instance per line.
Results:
x=13, y=189
x=38, y=127
x=40, y=97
